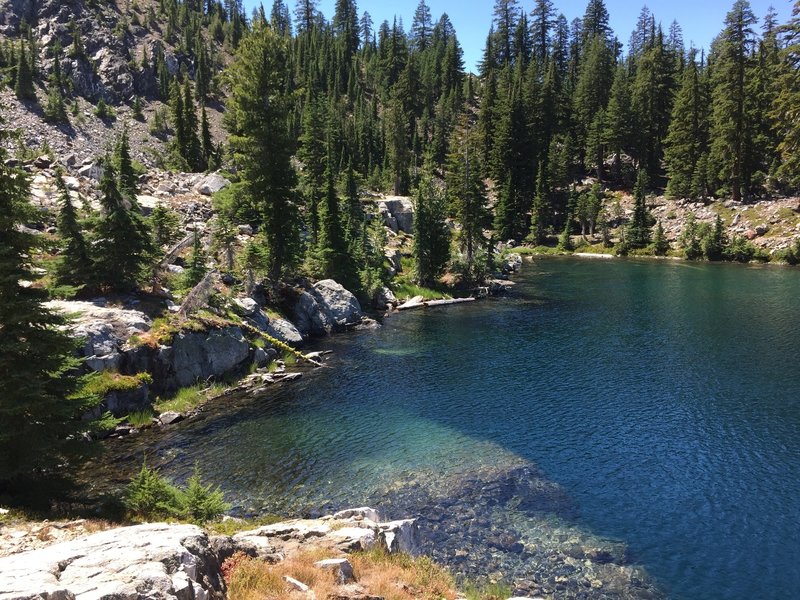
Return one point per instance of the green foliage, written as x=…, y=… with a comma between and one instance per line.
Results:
x=260, y=143
x=105, y=382
x=123, y=247
x=200, y=503
x=75, y=266
x=639, y=229
x=103, y=111
x=196, y=268
x=431, y=235
x=660, y=243
x=149, y=497
x=23, y=86
x=164, y=224
x=39, y=406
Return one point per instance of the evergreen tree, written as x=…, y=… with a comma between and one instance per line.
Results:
x=619, y=129
x=23, y=87
x=714, y=242
x=786, y=110
x=209, y=158
x=75, y=265
x=730, y=123
x=687, y=138
x=54, y=110
x=466, y=194
x=421, y=27
x=260, y=142
x=39, y=406
x=196, y=269
x=122, y=249
x=431, y=235
x=638, y=235
x=660, y=243
x=128, y=180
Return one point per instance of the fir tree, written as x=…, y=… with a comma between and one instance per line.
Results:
x=196, y=269
x=431, y=235
x=687, y=138
x=122, y=248
x=75, y=265
x=128, y=180
x=259, y=140
x=23, y=87
x=39, y=405
x=729, y=123
x=660, y=243
x=638, y=235
x=786, y=110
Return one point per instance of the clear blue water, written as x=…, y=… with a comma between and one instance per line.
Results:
x=663, y=399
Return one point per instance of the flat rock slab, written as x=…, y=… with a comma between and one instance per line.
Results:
x=154, y=561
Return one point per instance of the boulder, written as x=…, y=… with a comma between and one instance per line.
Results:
x=341, y=306
x=199, y=356
x=309, y=317
x=91, y=171
x=155, y=561
x=384, y=298
x=341, y=567
x=284, y=331
x=401, y=209
x=212, y=184
x=401, y=536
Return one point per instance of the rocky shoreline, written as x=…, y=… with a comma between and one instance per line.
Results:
x=160, y=561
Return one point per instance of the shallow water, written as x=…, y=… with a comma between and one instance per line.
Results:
x=654, y=408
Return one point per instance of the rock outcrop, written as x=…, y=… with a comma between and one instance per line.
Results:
x=154, y=561
x=180, y=562
x=398, y=213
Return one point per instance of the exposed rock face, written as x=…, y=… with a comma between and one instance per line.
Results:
x=154, y=561
x=398, y=212
x=197, y=356
x=105, y=330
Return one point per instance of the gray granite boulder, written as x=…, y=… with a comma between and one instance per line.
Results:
x=154, y=562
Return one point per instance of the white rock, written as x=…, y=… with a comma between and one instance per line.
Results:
x=212, y=184
x=343, y=570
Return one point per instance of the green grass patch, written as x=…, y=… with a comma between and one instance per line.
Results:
x=189, y=398
x=405, y=290
x=103, y=383
x=142, y=418
x=595, y=249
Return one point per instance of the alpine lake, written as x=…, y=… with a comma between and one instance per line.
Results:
x=611, y=429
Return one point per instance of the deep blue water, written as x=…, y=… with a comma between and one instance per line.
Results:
x=663, y=397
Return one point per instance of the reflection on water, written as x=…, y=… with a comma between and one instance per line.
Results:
x=610, y=413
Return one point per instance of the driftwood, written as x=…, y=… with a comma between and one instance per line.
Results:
x=417, y=303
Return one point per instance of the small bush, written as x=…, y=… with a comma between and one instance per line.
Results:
x=149, y=496
x=200, y=503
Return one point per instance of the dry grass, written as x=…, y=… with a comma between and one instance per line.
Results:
x=391, y=576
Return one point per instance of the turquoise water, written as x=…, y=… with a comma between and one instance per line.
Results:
x=659, y=401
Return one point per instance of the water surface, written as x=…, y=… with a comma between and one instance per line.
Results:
x=657, y=403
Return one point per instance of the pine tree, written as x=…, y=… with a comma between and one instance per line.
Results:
x=638, y=235
x=687, y=138
x=54, y=110
x=39, y=405
x=196, y=269
x=729, y=123
x=431, y=235
x=786, y=110
x=128, y=180
x=75, y=265
x=122, y=249
x=23, y=88
x=660, y=242
x=260, y=142
x=421, y=27
x=209, y=158
x=619, y=129
x=466, y=194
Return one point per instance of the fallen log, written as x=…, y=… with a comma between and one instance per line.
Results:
x=415, y=303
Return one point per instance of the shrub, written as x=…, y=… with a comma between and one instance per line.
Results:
x=150, y=496
x=201, y=503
